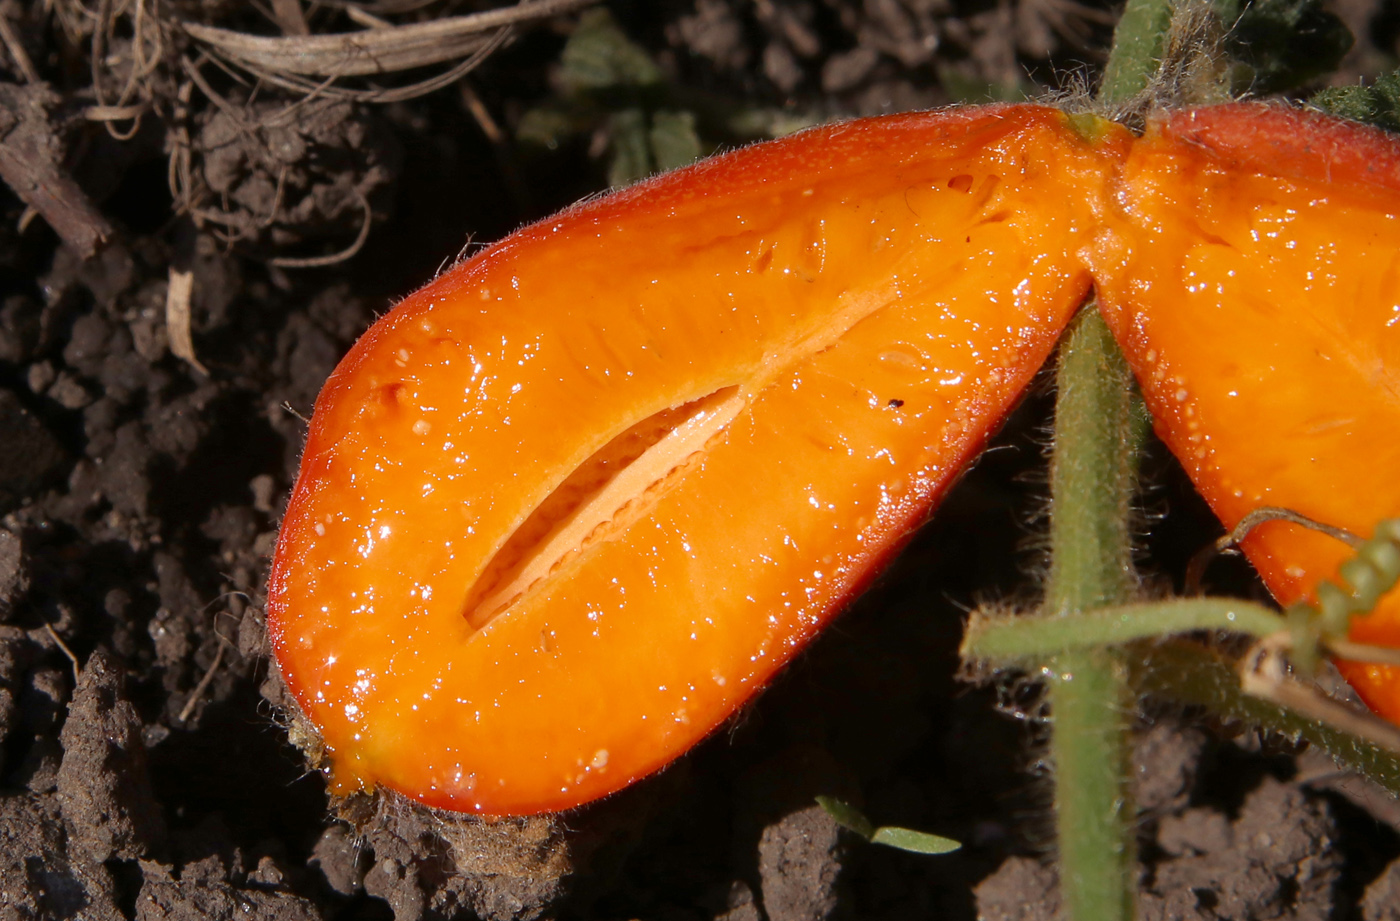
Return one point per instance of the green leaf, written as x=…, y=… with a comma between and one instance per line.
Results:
x=600, y=56
x=919, y=842
x=631, y=154
x=1377, y=104
x=674, y=140
x=905, y=839
x=847, y=816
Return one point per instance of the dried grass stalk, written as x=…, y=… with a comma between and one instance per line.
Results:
x=374, y=51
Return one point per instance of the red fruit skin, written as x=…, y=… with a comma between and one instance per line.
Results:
x=1296, y=144
x=1252, y=280
x=872, y=296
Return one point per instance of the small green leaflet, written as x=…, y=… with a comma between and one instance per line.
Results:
x=905, y=839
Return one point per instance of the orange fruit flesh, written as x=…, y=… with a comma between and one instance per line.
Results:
x=563, y=510
x=1253, y=281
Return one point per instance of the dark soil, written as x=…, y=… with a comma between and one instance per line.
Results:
x=143, y=768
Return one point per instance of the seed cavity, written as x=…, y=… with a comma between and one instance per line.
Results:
x=598, y=500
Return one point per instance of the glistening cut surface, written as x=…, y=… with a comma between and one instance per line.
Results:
x=1255, y=288
x=858, y=306
x=878, y=293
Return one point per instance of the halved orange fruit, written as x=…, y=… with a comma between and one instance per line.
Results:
x=1253, y=281
x=566, y=508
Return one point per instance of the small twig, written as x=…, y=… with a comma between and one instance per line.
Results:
x=286, y=405
x=1196, y=568
x=114, y=113
x=370, y=21
x=1266, y=513
x=177, y=317
x=17, y=52
x=98, y=49
x=474, y=105
x=192, y=71
x=381, y=7
x=488, y=47
x=237, y=223
x=310, y=95
x=312, y=262
x=500, y=144
x=100, y=36
x=277, y=198
x=63, y=647
x=375, y=51
x=31, y=164
x=1361, y=652
x=289, y=17
x=177, y=170
x=146, y=65
x=1263, y=674
x=230, y=71
x=204, y=682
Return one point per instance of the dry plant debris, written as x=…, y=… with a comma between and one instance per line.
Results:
x=31, y=164
x=382, y=50
x=257, y=156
